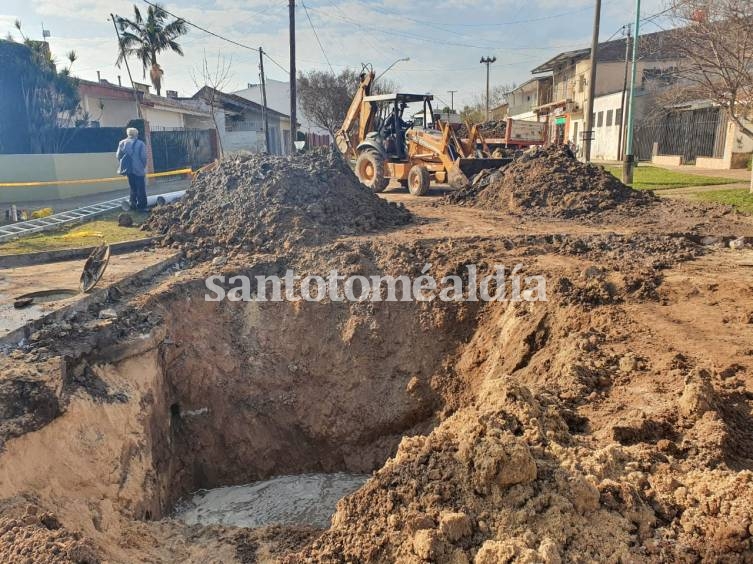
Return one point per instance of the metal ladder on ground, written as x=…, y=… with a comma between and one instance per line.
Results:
x=55, y=221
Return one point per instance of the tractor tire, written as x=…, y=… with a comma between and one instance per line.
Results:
x=371, y=170
x=419, y=180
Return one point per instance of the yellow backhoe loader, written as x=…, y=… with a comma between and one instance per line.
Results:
x=386, y=147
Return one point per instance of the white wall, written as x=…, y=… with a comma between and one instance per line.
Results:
x=62, y=166
x=741, y=143
x=109, y=112
x=162, y=118
x=531, y=116
x=607, y=137
x=233, y=141
x=522, y=100
x=278, y=99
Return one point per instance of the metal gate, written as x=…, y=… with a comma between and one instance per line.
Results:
x=182, y=148
x=688, y=133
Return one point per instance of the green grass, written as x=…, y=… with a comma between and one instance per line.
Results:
x=742, y=199
x=656, y=178
x=90, y=234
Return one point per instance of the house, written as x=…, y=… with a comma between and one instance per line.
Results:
x=447, y=115
x=173, y=113
x=240, y=123
x=104, y=104
x=522, y=100
x=278, y=99
x=500, y=112
x=569, y=73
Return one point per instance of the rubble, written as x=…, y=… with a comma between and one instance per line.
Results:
x=262, y=203
x=549, y=182
x=489, y=130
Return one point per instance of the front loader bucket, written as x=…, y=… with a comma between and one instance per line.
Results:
x=471, y=167
x=455, y=177
x=463, y=170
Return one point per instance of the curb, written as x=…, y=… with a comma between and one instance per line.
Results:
x=45, y=257
x=96, y=297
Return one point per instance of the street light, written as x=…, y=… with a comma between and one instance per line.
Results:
x=487, y=61
x=403, y=60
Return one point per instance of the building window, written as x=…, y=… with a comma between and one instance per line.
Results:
x=600, y=119
x=609, y=117
x=618, y=117
x=593, y=120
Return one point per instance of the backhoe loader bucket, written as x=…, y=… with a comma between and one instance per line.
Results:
x=471, y=167
x=463, y=170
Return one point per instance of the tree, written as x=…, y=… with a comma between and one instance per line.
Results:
x=476, y=111
x=50, y=96
x=326, y=97
x=715, y=44
x=215, y=78
x=146, y=38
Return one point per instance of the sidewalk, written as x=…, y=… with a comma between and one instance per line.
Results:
x=690, y=190
x=741, y=174
x=738, y=174
x=154, y=187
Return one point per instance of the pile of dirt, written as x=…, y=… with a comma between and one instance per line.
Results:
x=262, y=203
x=490, y=129
x=38, y=536
x=549, y=182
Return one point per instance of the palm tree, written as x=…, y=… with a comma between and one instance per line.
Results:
x=145, y=38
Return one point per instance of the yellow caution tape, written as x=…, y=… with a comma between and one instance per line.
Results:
x=91, y=180
x=82, y=234
x=44, y=212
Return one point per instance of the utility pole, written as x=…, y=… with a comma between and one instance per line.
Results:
x=589, y=133
x=624, y=94
x=487, y=61
x=452, y=99
x=128, y=68
x=293, y=118
x=265, y=115
x=629, y=162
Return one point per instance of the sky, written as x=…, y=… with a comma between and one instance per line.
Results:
x=444, y=39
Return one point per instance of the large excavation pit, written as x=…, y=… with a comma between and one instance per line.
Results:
x=311, y=396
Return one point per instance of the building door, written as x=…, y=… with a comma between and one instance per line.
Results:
x=559, y=130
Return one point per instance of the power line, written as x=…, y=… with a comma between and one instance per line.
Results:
x=217, y=35
x=271, y=60
x=317, y=37
x=443, y=26
x=205, y=30
x=366, y=38
x=437, y=41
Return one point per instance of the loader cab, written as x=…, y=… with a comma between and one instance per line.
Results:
x=390, y=122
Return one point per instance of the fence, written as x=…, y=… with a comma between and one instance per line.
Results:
x=72, y=140
x=690, y=134
x=182, y=149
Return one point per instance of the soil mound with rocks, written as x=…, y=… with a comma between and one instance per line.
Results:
x=264, y=203
x=490, y=129
x=549, y=182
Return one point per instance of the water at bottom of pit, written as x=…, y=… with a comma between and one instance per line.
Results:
x=306, y=499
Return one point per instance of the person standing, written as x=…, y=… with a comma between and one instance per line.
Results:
x=132, y=158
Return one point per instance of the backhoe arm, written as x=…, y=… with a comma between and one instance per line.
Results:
x=342, y=137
